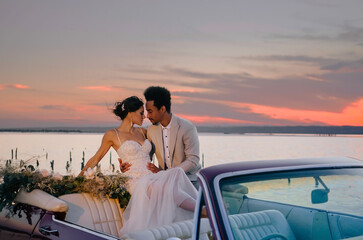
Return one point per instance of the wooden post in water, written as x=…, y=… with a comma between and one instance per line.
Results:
x=82, y=163
x=52, y=165
x=67, y=167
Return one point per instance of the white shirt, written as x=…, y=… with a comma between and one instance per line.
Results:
x=166, y=143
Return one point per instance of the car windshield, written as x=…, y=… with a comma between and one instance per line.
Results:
x=329, y=199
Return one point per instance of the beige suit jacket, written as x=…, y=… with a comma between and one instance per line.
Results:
x=184, y=145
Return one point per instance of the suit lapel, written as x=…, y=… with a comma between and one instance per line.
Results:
x=174, y=128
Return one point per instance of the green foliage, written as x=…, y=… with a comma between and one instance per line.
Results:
x=12, y=180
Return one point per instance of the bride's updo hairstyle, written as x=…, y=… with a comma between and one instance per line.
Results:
x=130, y=104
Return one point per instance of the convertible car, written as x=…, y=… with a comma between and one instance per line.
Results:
x=306, y=199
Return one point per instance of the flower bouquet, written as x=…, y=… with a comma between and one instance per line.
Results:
x=22, y=176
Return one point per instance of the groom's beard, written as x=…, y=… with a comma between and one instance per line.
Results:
x=153, y=122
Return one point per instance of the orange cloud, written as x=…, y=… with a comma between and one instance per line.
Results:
x=351, y=115
x=97, y=88
x=18, y=86
x=21, y=86
x=214, y=120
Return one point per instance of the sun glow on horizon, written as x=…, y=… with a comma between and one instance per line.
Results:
x=351, y=115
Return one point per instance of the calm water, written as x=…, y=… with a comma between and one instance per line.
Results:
x=216, y=148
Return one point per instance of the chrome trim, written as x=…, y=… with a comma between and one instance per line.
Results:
x=221, y=205
x=212, y=216
x=196, y=214
x=260, y=170
x=103, y=235
x=275, y=169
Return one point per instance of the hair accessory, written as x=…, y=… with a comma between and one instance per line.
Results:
x=123, y=106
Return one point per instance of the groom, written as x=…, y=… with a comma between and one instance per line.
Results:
x=175, y=139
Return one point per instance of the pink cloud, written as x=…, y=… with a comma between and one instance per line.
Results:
x=184, y=91
x=97, y=88
x=214, y=120
x=17, y=86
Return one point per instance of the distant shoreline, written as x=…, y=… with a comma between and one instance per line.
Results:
x=319, y=130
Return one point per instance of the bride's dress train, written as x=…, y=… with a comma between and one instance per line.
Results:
x=155, y=197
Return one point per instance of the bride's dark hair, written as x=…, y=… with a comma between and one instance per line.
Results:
x=130, y=104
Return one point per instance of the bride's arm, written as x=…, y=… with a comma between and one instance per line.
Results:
x=105, y=146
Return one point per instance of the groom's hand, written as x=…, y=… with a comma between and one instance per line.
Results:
x=152, y=167
x=124, y=167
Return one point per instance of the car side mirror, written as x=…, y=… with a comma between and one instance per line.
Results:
x=319, y=196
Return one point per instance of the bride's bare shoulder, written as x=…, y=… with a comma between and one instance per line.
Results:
x=111, y=133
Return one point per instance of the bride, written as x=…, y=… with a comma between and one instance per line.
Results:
x=156, y=198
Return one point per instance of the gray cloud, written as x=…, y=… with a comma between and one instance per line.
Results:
x=292, y=58
x=350, y=33
x=336, y=91
x=347, y=33
x=330, y=64
x=351, y=65
x=331, y=91
x=304, y=36
x=200, y=75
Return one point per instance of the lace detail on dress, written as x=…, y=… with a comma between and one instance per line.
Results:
x=138, y=155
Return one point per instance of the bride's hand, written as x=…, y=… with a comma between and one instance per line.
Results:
x=124, y=167
x=152, y=167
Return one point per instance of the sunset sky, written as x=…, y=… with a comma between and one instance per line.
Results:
x=280, y=62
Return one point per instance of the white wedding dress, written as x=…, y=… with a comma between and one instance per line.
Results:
x=155, y=197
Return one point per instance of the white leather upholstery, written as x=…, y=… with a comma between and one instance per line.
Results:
x=259, y=225
x=104, y=215
x=182, y=230
x=41, y=199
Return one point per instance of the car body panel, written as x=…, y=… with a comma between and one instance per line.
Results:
x=213, y=196
x=210, y=178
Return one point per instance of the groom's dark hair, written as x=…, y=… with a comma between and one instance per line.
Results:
x=160, y=96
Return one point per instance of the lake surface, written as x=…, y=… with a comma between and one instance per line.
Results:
x=214, y=148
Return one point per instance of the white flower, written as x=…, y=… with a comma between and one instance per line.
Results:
x=99, y=180
x=90, y=173
x=57, y=176
x=44, y=173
